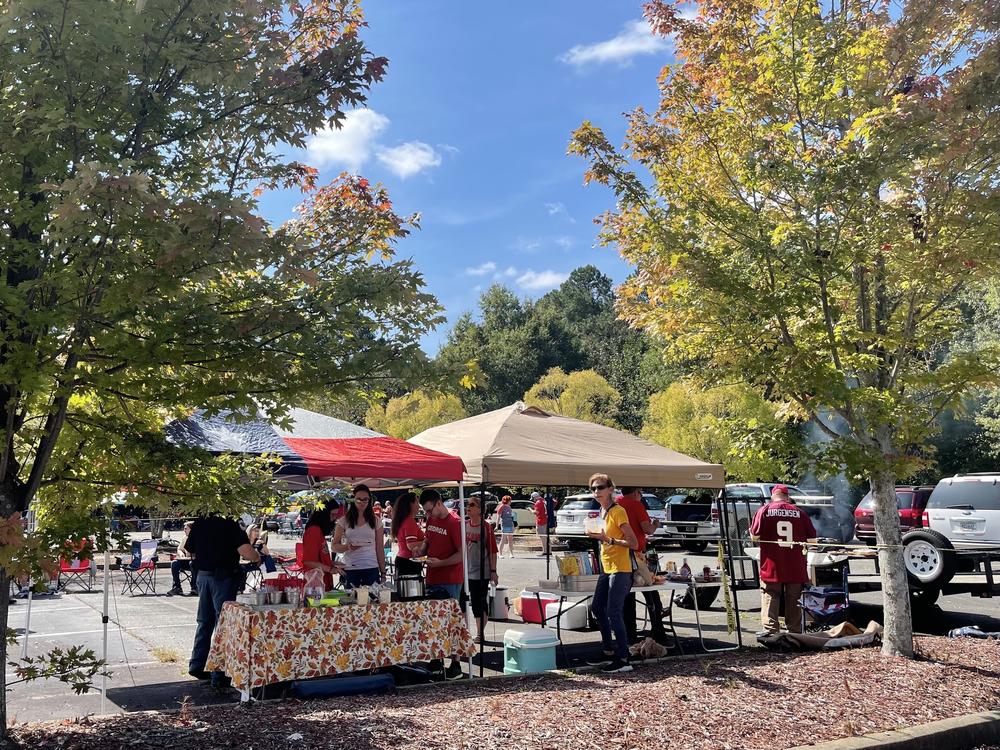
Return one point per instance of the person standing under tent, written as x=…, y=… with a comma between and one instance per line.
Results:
x=541, y=520
x=445, y=575
x=358, y=536
x=615, y=580
x=642, y=525
x=505, y=520
x=408, y=535
x=781, y=528
x=482, y=565
x=216, y=544
x=315, y=550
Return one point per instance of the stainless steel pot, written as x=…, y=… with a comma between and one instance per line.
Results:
x=410, y=587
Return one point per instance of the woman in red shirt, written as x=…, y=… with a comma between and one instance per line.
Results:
x=315, y=550
x=408, y=535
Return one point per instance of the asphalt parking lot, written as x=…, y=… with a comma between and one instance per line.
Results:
x=150, y=637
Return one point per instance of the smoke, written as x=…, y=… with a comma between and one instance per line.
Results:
x=833, y=513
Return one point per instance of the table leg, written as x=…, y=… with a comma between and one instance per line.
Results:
x=697, y=618
x=670, y=622
x=245, y=696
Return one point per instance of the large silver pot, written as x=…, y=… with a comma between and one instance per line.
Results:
x=410, y=587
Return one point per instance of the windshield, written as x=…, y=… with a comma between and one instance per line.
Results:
x=652, y=502
x=904, y=501
x=744, y=493
x=980, y=495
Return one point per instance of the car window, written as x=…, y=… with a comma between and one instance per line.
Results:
x=980, y=495
x=652, y=502
x=581, y=505
x=744, y=493
x=904, y=501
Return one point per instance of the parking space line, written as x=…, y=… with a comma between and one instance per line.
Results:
x=126, y=630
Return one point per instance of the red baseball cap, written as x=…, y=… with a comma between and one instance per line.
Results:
x=782, y=488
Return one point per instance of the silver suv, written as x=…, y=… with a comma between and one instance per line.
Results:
x=963, y=513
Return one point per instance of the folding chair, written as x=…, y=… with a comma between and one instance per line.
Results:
x=79, y=570
x=825, y=606
x=140, y=570
x=295, y=568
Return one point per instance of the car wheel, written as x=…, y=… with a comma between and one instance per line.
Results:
x=929, y=557
x=695, y=548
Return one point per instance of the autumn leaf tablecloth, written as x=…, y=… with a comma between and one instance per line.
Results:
x=257, y=648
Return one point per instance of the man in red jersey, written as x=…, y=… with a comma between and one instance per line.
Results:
x=781, y=527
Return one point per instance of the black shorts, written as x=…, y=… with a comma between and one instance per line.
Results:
x=479, y=591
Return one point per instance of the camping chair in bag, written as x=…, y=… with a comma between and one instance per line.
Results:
x=140, y=569
x=79, y=570
x=825, y=606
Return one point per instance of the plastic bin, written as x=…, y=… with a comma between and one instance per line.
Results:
x=529, y=651
x=570, y=619
x=530, y=611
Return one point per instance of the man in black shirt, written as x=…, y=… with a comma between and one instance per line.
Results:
x=216, y=544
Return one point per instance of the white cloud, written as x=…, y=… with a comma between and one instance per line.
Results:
x=557, y=209
x=564, y=242
x=510, y=271
x=527, y=244
x=482, y=269
x=409, y=158
x=538, y=280
x=634, y=39
x=352, y=144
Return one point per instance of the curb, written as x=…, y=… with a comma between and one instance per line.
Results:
x=955, y=733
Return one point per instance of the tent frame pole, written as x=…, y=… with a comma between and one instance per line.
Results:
x=549, y=505
x=727, y=547
x=465, y=560
x=482, y=569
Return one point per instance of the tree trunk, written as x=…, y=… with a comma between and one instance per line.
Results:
x=897, y=638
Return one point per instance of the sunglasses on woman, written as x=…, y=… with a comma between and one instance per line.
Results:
x=599, y=487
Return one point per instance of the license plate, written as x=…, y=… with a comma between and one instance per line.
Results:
x=967, y=525
x=688, y=529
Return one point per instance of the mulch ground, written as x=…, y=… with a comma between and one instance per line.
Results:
x=743, y=700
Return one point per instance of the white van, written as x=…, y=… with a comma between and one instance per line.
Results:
x=965, y=510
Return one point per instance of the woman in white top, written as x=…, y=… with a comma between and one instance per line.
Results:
x=358, y=536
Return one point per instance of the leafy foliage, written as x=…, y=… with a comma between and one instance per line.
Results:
x=730, y=425
x=408, y=415
x=582, y=395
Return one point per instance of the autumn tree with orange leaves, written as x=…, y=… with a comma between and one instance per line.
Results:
x=817, y=189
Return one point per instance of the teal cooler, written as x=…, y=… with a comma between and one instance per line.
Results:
x=527, y=651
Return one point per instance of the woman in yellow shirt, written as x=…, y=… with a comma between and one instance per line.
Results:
x=615, y=581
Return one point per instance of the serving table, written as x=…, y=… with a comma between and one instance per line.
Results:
x=258, y=647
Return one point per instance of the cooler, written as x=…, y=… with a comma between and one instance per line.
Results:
x=528, y=651
x=570, y=619
x=530, y=611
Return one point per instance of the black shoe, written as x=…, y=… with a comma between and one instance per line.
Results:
x=176, y=591
x=200, y=674
x=193, y=592
x=454, y=671
x=600, y=661
x=222, y=682
x=617, y=665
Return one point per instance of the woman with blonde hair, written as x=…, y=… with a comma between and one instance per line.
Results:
x=505, y=520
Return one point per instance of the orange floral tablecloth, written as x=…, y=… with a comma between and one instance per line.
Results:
x=257, y=648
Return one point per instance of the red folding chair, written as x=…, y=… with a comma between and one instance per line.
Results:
x=294, y=567
x=79, y=570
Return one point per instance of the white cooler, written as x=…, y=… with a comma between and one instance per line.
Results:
x=570, y=619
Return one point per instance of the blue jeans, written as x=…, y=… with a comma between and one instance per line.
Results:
x=214, y=590
x=453, y=590
x=269, y=565
x=608, y=608
x=361, y=577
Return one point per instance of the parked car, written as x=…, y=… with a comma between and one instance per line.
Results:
x=576, y=509
x=962, y=514
x=687, y=520
x=910, y=501
x=831, y=520
x=524, y=512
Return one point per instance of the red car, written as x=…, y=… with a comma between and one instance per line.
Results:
x=911, y=502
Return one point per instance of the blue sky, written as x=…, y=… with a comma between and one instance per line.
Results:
x=470, y=128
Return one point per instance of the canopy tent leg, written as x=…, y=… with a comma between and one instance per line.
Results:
x=727, y=559
x=549, y=506
x=482, y=569
x=104, y=621
x=465, y=560
x=27, y=620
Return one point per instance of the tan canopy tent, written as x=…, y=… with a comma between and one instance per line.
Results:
x=523, y=445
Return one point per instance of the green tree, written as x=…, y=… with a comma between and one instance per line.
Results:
x=823, y=184
x=408, y=415
x=729, y=425
x=137, y=278
x=582, y=395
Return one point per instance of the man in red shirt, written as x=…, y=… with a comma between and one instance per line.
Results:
x=541, y=520
x=642, y=525
x=781, y=527
x=445, y=575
